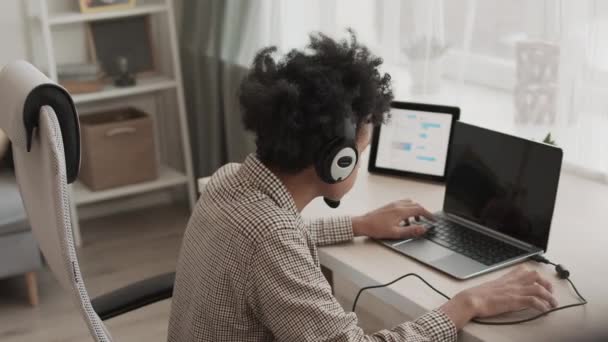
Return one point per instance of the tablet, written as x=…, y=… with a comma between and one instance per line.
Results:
x=415, y=141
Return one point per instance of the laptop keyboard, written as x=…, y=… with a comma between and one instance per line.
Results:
x=473, y=244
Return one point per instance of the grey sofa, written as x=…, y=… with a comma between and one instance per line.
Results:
x=19, y=254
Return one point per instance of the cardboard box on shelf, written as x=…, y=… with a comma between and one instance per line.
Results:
x=118, y=149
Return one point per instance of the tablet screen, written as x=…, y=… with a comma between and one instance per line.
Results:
x=415, y=141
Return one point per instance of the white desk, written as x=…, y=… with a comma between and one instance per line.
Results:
x=579, y=240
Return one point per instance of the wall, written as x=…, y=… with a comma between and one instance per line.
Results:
x=13, y=32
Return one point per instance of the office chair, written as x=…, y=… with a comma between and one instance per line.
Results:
x=40, y=119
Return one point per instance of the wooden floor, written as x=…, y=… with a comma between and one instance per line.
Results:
x=118, y=250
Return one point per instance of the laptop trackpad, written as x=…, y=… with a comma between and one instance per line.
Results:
x=440, y=257
x=425, y=250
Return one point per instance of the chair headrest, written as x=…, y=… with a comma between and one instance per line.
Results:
x=23, y=91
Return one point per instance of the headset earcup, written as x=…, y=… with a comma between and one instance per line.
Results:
x=321, y=164
x=332, y=165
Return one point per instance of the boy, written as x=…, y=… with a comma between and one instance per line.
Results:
x=249, y=269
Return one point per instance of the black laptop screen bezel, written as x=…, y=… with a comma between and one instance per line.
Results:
x=430, y=108
x=553, y=149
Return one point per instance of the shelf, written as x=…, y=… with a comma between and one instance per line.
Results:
x=167, y=178
x=77, y=17
x=144, y=85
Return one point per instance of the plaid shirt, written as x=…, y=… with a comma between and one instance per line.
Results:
x=249, y=270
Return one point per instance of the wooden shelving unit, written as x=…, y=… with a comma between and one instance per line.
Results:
x=77, y=17
x=143, y=86
x=169, y=176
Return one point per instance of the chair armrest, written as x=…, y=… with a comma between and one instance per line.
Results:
x=134, y=296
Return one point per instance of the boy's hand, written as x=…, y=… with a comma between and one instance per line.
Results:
x=392, y=221
x=516, y=290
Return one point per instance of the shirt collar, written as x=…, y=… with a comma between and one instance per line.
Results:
x=254, y=172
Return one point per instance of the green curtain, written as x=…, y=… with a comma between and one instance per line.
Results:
x=212, y=35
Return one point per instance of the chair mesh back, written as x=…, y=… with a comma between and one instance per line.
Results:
x=41, y=175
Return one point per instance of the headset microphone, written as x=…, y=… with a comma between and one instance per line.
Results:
x=331, y=203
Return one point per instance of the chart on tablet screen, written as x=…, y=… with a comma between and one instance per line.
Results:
x=414, y=141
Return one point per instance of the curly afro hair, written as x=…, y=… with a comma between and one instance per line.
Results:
x=294, y=105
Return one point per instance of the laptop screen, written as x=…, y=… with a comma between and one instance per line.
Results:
x=502, y=182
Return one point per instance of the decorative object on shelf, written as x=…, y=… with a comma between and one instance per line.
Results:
x=124, y=78
x=118, y=149
x=549, y=140
x=536, y=85
x=425, y=57
x=80, y=78
x=134, y=44
x=91, y=6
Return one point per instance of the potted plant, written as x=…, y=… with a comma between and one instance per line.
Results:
x=549, y=140
x=425, y=57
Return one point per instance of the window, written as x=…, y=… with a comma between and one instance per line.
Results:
x=465, y=53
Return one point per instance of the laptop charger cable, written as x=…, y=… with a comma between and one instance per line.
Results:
x=561, y=271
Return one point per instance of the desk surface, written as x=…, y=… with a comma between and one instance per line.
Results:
x=579, y=240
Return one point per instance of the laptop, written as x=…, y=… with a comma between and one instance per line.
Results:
x=499, y=200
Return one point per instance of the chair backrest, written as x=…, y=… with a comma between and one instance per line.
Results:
x=28, y=100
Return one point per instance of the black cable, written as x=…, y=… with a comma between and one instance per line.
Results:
x=536, y=258
x=394, y=281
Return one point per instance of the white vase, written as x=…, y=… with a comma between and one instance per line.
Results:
x=426, y=75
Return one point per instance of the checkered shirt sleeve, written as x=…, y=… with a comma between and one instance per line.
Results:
x=290, y=296
x=329, y=231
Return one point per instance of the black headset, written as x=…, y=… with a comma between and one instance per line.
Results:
x=338, y=157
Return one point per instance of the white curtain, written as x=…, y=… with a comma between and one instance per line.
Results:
x=465, y=53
